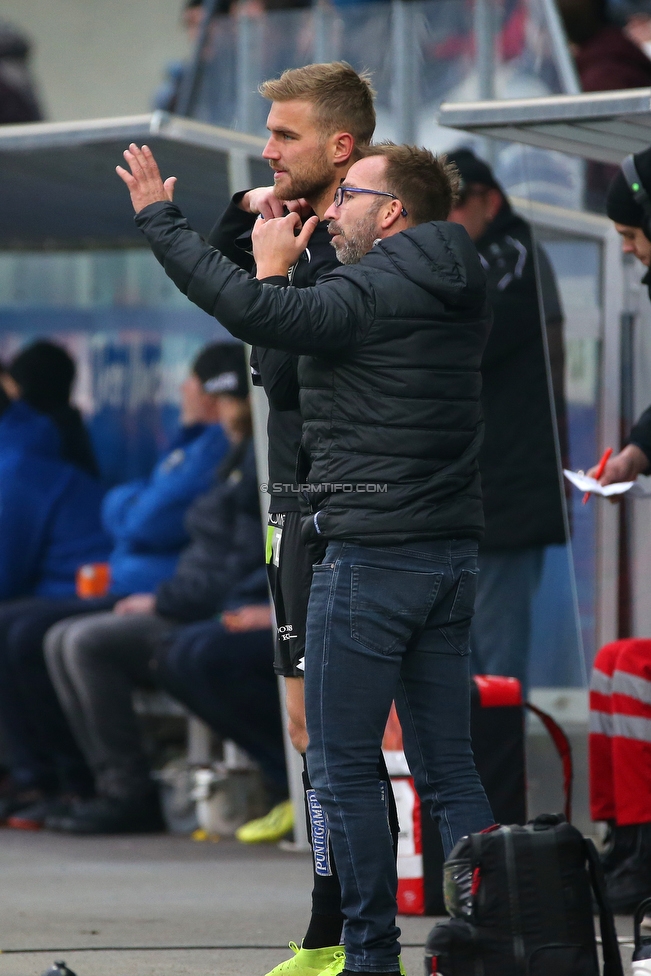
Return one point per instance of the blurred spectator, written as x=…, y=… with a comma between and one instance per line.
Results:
x=49, y=510
x=42, y=375
x=228, y=679
x=518, y=463
x=146, y=522
x=167, y=96
x=606, y=58
x=18, y=102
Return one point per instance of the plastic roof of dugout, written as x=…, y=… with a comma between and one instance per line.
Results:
x=59, y=189
x=602, y=126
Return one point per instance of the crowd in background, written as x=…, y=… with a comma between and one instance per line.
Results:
x=183, y=603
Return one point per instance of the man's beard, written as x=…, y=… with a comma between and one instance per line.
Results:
x=308, y=181
x=359, y=240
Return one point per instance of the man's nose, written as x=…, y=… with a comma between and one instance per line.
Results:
x=330, y=213
x=270, y=151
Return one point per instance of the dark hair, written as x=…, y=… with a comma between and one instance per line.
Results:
x=45, y=373
x=342, y=98
x=426, y=185
x=582, y=19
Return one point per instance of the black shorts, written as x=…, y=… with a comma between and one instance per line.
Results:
x=289, y=566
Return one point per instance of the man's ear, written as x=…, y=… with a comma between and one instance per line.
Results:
x=390, y=214
x=343, y=145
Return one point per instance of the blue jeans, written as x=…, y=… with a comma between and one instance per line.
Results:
x=501, y=628
x=384, y=624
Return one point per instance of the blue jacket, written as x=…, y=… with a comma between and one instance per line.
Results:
x=49, y=510
x=145, y=517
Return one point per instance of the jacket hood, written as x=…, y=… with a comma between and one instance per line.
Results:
x=438, y=257
x=24, y=430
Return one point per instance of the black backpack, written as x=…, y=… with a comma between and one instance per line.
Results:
x=520, y=901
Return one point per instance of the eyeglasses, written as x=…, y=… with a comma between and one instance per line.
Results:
x=341, y=191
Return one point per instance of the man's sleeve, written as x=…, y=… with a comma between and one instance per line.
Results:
x=641, y=435
x=232, y=234
x=312, y=321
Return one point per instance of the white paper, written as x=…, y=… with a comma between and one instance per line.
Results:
x=584, y=483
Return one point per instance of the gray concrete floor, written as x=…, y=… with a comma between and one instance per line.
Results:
x=117, y=906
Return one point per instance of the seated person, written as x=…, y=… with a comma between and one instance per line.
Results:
x=145, y=519
x=96, y=661
x=49, y=510
x=42, y=375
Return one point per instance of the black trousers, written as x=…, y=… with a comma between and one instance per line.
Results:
x=41, y=750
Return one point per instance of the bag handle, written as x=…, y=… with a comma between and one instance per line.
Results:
x=609, y=943
x=564, y=750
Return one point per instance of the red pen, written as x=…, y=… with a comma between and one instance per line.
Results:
x=600, y=470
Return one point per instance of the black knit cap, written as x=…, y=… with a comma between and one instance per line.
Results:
x=620, y=205
x=222, y=368
x=472, y=169
x=45, y=373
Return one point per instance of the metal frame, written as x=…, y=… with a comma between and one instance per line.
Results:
x=603, y=126
x=599, y=229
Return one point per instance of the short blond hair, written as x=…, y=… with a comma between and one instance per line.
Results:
x=342, y=98
x=426, y=185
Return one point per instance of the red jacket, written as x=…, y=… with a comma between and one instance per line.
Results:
x=609, y=62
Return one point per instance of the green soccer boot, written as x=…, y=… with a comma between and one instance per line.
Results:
x=308, y=962
x=268, y=829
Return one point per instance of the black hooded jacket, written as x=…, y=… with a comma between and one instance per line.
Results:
x=389, y=373
x=518, y=461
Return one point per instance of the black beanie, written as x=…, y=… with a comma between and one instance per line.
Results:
x=45, y=374
x=472, y=169
x=222, y=369
x=620, y=205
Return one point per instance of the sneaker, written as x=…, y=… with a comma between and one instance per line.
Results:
x=307, y=962
x=109, y=815
x=270, y=828
x=34, y=816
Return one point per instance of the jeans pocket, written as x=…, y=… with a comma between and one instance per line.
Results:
x=457, y=629
x=388, y=605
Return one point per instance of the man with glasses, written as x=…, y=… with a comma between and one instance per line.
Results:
x=390, y=352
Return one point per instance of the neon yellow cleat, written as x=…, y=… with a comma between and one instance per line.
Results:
x=307, y=962
x=338, y=964
x=270, y=828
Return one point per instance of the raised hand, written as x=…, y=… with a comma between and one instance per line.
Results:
x=144, y=181
x=275, y=245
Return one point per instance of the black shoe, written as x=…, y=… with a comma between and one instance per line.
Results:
x=34, y=816
x=628, y=884
x=620, y=844
x=17, y=799
x=108, y=815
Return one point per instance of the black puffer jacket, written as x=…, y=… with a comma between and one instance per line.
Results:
x=390, y=381
x=223, y=565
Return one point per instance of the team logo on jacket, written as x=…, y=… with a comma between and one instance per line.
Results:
x=320, y=836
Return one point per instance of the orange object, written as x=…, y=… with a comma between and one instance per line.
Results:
x=600, y=470
x=93, y=579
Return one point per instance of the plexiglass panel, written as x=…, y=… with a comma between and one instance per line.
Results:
x=131, y=332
